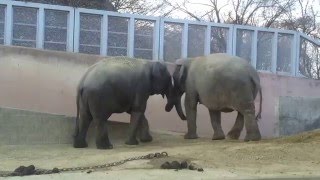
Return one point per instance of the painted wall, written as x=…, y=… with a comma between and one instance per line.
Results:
x=45, y=81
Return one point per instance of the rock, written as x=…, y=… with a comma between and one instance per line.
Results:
x=89, y=171
x=184, y=165
x=200, y=169
x=166, y=165
x=175, y=165
x=192, y=167
x=55, y=170
x=22, y=170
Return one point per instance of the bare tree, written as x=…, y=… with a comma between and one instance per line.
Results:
x=144, y=7
x=304, y=19
x=246, y=12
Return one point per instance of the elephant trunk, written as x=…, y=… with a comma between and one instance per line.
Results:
x=179, y=110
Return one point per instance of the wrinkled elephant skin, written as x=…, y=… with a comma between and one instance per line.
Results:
x=117, y=85
x=222, y=83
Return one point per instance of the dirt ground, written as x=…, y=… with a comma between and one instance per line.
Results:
x=294, y=157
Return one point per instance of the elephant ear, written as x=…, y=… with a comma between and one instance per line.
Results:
x=156, y=70
x=183, y=74
x=181, y=69
x=160, y=78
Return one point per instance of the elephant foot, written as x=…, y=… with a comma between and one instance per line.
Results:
x=104, y=146
x=234, y=135
x=218, y=136
x=132, y=142
x=191, y=136
x=79, y=143
x=103, y=143
x=252, y=137
x=146, y=138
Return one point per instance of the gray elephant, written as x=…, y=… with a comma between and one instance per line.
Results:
x=117, y=85
x=222, y=83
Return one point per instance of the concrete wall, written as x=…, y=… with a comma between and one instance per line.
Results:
x=298, y=114
x=29, y=127
x=45, y=81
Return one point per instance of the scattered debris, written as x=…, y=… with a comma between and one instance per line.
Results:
x=90, y=171
x=23, y=170
x=183, y=165
x=192, y=167
x=175, y=165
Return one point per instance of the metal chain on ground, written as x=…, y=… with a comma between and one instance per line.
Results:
x=56, y=170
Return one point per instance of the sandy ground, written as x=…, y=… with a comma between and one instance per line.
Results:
x=295, y=157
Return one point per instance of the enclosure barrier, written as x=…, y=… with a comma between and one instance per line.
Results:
x=107, y=33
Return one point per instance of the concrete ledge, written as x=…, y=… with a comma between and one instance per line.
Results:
x=19, y=127
x=298, y=114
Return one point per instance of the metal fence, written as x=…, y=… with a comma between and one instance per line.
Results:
x=112, y=34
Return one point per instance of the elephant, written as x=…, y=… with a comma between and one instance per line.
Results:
x=116, y=85
x=222, y=83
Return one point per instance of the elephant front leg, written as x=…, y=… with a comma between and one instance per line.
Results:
x=215, y=117
x=235, y=132
x=134, y=122
x=191, y=112
x=144, y=130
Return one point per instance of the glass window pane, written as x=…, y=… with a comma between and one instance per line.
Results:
x=264, y=51
x=172, y=41
x=309, y=59
x=117, y=52
x=89, y=49
x=90, y=33
x=244, y=44
x=2, y=21
x=117, y=36
x=31, y=44
x=144, y=54
x=143, y=39
x=24, y=26
x=219, y=40
x=196, y=40
x=56, y=30
x=56, y=18
x=55, y=46
x=284, y=52
x=25, y=15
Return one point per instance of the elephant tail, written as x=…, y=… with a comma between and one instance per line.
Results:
x=260, y=106
x=76, y=131
x=257, y=88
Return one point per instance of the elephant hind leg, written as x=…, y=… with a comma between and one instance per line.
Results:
x=102, y=136
x=143, y=129
x=216, y=125
x=251, y=124
x=85, y=119
x=235, y=132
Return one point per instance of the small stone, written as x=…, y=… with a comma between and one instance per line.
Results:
x=90, y=171
x=200, y=169
x=166, y=165
x=19, y=169
x=184, y=165
x=55, y=170
x=175, y=165
x=29, y=170
x=192, y=167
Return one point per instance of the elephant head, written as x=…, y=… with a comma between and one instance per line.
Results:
x=160, y=79
x=179, y=84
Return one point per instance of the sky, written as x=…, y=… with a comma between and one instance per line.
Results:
x=196, y=8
